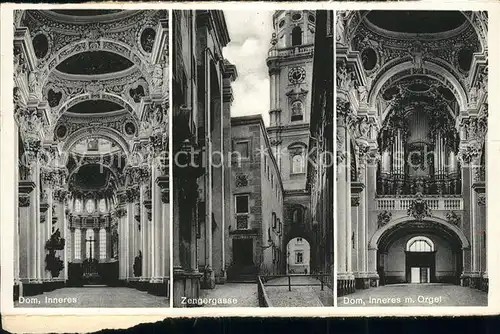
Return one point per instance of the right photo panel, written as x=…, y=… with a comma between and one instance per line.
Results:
x=411, y=124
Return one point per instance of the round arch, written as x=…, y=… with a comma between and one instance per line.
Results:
x=89, y=97
x=85, y=45
x=374, y=241
x=481, y=34
x=103, y=132
x=111, y=170
x=392, y=70
x=428, y=241
x=298, y=256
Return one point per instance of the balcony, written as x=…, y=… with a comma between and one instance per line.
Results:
x=434, y=203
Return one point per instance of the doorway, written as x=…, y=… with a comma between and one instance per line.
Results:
x=420, y=274
x=243, y=252
x=420, y=260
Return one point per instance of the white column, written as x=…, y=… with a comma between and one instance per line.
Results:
x=48, y=227
x=158, y=246
x=144, y=233
x=132, y=251
x=35, y=272
x=348, y=229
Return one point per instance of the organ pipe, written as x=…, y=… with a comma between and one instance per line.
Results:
x=386, y=163
x=436, y=155
x=452, y=162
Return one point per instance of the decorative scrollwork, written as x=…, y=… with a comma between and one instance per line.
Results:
x=241, y=180
x=120, y=212
x=242, y=222
x=468, y=153
x=133, y=195
x=419, y=209
x=453, y=218
x=481, y=199
x=24, y=201
x=383, y=218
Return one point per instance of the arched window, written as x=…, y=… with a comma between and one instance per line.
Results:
x=89, y=244
x=102, y=205
x=78, y=205
x=420, y=244
x=296, y=36
x=297, y=111
x=274, y=219
x=78, y=244
x=89, y=206
x=102, y=243
x=298, y=164
x=297, y=156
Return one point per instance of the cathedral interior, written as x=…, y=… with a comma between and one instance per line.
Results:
x=91, y=110
x=412, y=108
x=253, y=214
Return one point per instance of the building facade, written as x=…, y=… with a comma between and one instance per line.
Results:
x=411, y=113
x=290, y=63
x=91, y=112
x=256, y=222
x=202, y=99
x=320, y=170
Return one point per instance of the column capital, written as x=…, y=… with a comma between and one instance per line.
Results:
x=163, y=183
x=122, y=196
x=362, y=127
x=24, y=200
x=61, y=194
x=343, y=112
x=469, y=152
x=133, y=195
x=138, y=174
x=481, y=199
x=120, y=212
x=473, y=128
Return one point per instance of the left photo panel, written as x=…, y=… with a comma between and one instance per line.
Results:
x=91, y=131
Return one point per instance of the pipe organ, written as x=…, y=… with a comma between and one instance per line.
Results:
x=418, y=159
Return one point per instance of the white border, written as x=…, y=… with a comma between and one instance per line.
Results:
x=85, y=320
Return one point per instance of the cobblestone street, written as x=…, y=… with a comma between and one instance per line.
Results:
x=94, y=297
x=244, y=293
x=416, y=295
x=300, y=296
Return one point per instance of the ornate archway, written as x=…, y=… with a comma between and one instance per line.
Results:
x=400, y=262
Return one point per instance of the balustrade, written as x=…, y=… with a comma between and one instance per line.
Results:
x=434, y=203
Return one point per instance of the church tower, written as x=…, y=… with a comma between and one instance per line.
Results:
x=290, y=63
